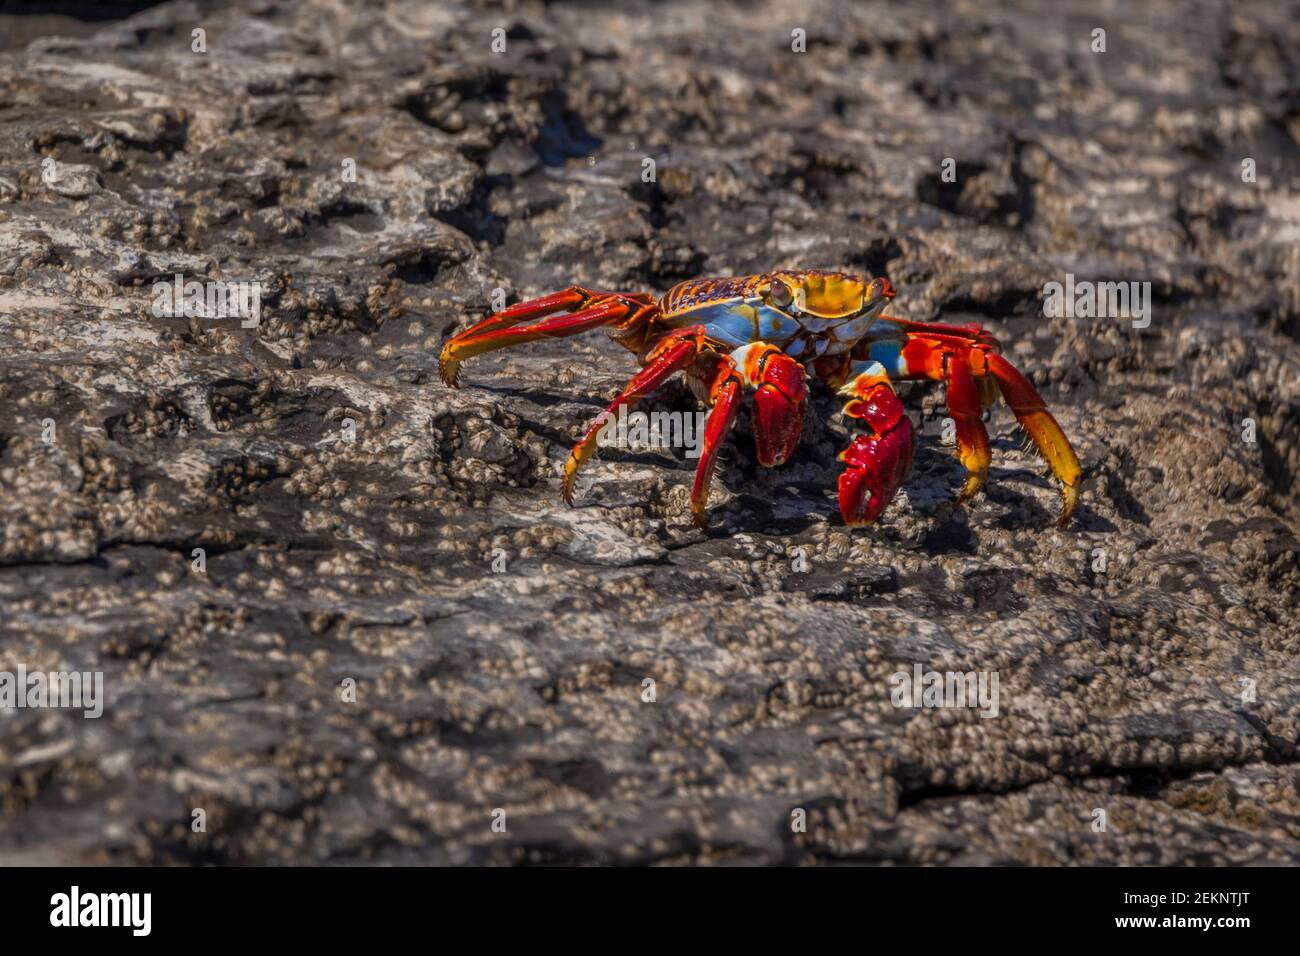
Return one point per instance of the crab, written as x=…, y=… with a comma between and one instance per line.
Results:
x=764, y=336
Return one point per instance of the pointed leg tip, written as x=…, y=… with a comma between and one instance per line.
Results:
x=568, y=484
x=974, y=482
x=449, y=372
x=1069, y=499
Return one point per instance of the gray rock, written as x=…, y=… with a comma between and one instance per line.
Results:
x=70, y=179
x=395, y=628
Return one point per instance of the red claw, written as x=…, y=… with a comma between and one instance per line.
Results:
x=876, y=466
x=779, y=410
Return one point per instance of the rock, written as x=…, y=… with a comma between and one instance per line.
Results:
x=343, y=610
x=71, y=180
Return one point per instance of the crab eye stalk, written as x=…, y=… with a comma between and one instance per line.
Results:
x=780, y=294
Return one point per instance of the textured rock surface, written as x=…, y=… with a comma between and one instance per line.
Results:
x=329, y=560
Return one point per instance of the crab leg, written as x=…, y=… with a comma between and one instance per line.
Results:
x=1038, y=423
x=563, y=301
x=495, y=332
x=669, y=356
x=726, y=387
x=876, y=463
x=952, y=356
x=970, y=332
x=967, y=413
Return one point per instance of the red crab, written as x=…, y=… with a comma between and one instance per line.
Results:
x=768, y=332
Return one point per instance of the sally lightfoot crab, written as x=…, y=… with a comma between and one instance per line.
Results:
x=764, y=335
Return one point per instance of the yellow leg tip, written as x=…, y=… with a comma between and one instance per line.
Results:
x=974, y=482
x=566, y=486
x=1069, y=498
x=449, y=369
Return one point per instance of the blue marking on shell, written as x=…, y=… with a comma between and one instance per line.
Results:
x=774, y=326
x=739, y=321
x=733, y=322
x=889, y=353
x=721, y=321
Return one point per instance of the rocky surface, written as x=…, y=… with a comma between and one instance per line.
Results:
x=392, y=637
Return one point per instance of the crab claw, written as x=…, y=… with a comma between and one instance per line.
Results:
x=778, y=409
x=876, y=465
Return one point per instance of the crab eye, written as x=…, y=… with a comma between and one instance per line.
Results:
x=780, y=294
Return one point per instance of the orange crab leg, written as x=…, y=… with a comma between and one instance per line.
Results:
x=670, y=356
x=949, y=356
x=968, y=332
x=563, y=301
x=967, y=413
x=725, y=390
x=1027, y=405
x=468, y=344
x=778, y=404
